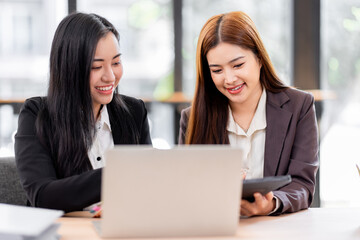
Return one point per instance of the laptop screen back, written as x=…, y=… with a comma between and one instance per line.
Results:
x=182, y=192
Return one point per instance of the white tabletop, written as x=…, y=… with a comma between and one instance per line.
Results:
x=314, y=223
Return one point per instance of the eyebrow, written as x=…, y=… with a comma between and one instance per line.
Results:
x=101, y=60
x=231, y=61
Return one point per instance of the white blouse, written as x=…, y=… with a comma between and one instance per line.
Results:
x=252, y=142
x=102, y=141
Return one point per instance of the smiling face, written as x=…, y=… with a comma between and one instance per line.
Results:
x=106, y=71
x=235, y=72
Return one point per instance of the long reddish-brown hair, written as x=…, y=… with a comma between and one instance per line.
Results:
x=209, y=112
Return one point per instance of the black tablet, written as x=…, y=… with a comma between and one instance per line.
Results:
x=263, y=185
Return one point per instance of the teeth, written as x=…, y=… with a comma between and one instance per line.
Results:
x=104, y=88
x=238, y=87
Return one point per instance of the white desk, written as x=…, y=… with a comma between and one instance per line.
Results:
x=315, y=223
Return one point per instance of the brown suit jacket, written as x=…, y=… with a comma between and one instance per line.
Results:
x=291, y=145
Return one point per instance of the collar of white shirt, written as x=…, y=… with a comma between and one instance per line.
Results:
x=257, y=123
x=104, y=119
x=102, y=140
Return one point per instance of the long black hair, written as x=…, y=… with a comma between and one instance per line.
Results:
x=66, y=123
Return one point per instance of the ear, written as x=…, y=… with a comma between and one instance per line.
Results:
x=260, y=62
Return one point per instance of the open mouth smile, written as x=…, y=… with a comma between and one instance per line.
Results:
x=236, y=89
x=105, y=89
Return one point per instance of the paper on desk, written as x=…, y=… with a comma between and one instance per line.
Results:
x=18, y=222
x=49, y=234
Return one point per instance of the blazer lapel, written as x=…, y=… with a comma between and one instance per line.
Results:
x=278, y=121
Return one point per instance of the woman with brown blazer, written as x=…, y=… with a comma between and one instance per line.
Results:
x=239, y=100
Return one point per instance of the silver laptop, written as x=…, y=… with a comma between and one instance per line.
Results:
x=186, y=191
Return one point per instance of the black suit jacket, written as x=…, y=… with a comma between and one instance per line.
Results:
x=37, y=169
x=291, y=145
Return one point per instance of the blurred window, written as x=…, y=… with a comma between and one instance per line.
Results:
x=146, y=43
x=273, y=20
x=26, y=32
x=340, y=122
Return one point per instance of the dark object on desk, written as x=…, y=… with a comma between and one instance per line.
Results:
x=263, y=185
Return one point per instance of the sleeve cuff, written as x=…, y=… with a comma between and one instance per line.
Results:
x=277, y=205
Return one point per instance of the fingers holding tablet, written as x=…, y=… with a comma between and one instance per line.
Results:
x=263, y=185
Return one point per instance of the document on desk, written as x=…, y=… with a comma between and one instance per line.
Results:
x=28, y=223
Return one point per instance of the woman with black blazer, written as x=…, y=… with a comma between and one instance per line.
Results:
x=61, y=138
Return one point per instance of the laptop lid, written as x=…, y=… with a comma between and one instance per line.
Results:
x=186, y=191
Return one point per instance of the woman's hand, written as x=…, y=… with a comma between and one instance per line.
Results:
x=263, y=205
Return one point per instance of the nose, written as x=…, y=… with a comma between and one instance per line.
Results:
x=108, y=75
x=230, y=76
